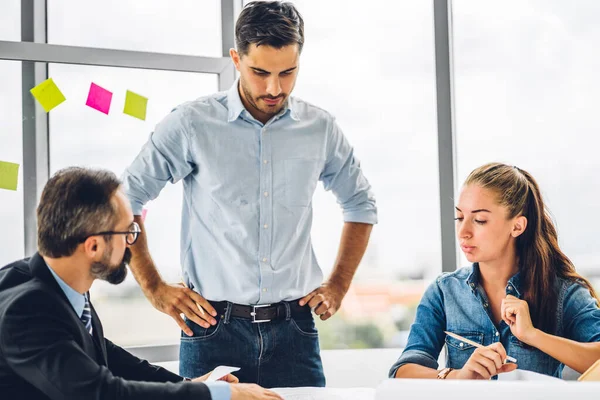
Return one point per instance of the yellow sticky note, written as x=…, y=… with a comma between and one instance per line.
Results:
x=9, y=175
x=135, y=105
x=48, y=94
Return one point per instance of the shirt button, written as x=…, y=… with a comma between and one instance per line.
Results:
x=266, y=194
x=265, y=289
x=497, y=334
x=462, y=344
x=264, y=260
x=265, y=226
x=486, y=305
x=510, y=288
x=265, y=162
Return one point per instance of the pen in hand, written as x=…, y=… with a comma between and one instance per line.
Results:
x=472, y=343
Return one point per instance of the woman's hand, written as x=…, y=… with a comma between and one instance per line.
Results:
x=515, y=312
x=484, y=363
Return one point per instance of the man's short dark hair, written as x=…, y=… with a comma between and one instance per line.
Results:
x=75, y=203
x=272, y=23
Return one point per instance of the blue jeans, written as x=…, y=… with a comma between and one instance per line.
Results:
x=279, y=353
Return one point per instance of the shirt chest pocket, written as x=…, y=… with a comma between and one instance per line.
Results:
x=532, y=359
x=301, y=177
x=458, y=352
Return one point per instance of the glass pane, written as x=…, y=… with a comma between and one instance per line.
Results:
x=382, y=91
x=10, y=20
x=80, y=135
x=12, y=237
x=174, y=26
x=526, y=94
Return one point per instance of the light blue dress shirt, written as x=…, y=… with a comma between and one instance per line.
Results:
x=248, y=188
x=76, y=299
x=218, y=390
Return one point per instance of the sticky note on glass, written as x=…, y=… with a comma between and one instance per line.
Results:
x=9, y=175
x=135, y=105
x=99, y=98
x=48, y=94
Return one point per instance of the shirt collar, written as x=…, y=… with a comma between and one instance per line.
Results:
x=76, y=299
x=236, y=107
x=473, y=278
x=291, y=108
x=513, y=286
x=234, y=102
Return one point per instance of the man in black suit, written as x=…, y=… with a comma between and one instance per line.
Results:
x=51, y=340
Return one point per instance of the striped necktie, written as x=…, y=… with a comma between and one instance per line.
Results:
x=86, y=316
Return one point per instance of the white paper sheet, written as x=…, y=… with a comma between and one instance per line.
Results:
x=438, y=389
x=221, y=371
x=523, y=375
x=312, y=393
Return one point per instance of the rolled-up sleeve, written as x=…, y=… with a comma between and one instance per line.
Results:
x=343, y=176
x=166, y=157
x=581, y=315
x=426, y=337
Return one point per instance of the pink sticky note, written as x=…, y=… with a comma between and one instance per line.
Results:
x=144, y=212
x=99, y=98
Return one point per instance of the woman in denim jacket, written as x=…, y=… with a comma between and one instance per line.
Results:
x=520, y=297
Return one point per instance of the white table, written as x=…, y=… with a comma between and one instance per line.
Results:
x=548, y=389
x=394, y=389
x=307, y=393
x=311, y=393
x=345, y=368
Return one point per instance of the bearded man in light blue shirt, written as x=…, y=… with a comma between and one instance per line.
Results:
x=250, y=159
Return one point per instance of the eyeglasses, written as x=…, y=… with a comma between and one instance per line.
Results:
x=131, y=236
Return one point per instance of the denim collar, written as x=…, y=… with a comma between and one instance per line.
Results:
x=236, y=107
x=513, y=286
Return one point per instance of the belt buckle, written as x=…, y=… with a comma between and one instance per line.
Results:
x=253, y=314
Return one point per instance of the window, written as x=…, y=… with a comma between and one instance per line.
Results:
x=384, y=101
x=373, y=68
x=526, y=94
x=80, y=135
x=12, y=239
x=10, y=20
x=162, y=26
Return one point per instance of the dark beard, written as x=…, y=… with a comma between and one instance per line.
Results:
x=103, y=270
x=253, y=103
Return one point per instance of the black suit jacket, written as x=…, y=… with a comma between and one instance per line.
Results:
x=46, y=352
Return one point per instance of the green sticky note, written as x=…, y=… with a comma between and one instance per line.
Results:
x=9, y=175
x=48, y=94
x=135, y=105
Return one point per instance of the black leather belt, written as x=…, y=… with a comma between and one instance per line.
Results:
x=263, y=313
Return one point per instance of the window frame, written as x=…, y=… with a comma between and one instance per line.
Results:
x=35, y=54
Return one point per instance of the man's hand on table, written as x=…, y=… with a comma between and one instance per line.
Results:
x=227, y=378
x=245, y=391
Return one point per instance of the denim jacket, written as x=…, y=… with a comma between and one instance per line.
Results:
x=457, y=303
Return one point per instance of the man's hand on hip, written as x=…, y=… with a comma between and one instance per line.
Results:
x=175, y=300
x=325, y=300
